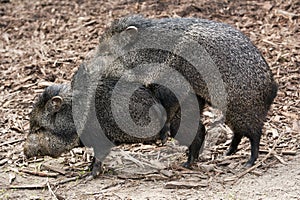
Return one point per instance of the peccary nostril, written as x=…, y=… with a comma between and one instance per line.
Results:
x=25, y=150
x=31, y=145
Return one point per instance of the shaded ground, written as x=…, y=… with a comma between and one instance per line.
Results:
x=43, y=42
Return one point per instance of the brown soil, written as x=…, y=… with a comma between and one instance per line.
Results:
x=43, y=42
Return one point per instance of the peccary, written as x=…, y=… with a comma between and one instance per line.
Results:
x=231, y=75
x=52, y=128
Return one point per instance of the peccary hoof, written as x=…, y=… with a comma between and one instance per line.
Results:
x=249, y=164
x=95, y=167
x=164, y=140
x=187, y=165
x=231, y=151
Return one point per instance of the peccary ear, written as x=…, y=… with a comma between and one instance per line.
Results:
x=56, y=103
x=132, y=30
x=128, y=36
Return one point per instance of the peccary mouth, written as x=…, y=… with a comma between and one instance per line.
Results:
x=47, y=144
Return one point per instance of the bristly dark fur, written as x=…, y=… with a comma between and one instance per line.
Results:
x=248, y=81
x=247, y=77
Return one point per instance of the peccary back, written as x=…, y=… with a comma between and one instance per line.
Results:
x=244, y=72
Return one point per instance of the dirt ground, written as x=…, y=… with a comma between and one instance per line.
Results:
x=43, y=42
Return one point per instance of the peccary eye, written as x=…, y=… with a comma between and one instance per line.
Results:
x=39, y=153
x=35, y=128
x=35, y=99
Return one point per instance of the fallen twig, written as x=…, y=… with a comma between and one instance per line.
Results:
x=225, y=158
x=50, y=190
x=12, y=142
x=256, y=173
x=185, y=184
x=139, y=162
x=55, y=169
x=131, y=176
x=44, y=185
x=128, y=157
x=42, y=174
x=269, y=42
x=32, y=186
x=75, y=178
x=289, y=152
x=35, y=160
x=280, y=159
x=107, y=188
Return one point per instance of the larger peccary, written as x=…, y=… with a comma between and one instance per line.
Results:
x=248, y=82
x=227, y=58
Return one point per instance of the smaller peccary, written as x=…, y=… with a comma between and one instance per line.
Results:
x=53, y=132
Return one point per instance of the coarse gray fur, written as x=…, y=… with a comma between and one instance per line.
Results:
x=247, y=78
x=248, y=81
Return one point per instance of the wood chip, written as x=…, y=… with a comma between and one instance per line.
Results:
x=285, y=13
x=12, y=177
x=185, y=185
x=167, y=173
x=291, y=115
x=3, y=161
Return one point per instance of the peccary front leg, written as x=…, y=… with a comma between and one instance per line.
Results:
x=195, y=147
x=164, y=133
x=95, y=167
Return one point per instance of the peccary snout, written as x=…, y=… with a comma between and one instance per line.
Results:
x=44, y=143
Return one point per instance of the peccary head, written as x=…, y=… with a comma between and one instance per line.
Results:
x=52, y=130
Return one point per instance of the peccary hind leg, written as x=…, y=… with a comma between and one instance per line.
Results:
x=254, y=137
x=254, y=141
x=164, y=133
x=234, y=143
x=197, y=143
